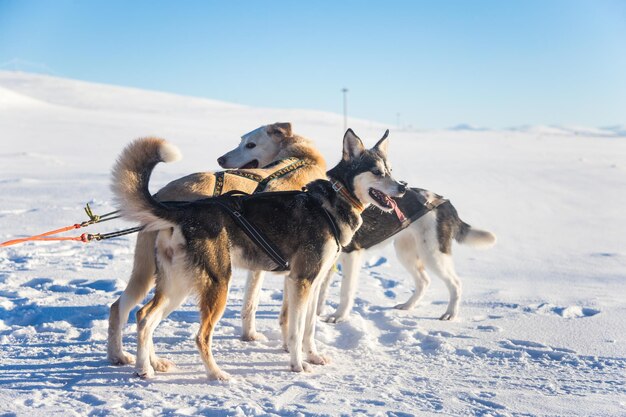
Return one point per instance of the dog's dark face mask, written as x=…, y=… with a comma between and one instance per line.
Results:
x=366, y=172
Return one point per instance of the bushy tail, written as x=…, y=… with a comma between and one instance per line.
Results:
x=131, y=175
x=475, y=237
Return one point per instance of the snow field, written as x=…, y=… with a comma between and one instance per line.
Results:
x=541, y=330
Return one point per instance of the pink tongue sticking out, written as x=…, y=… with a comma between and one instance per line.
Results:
x=396, y=209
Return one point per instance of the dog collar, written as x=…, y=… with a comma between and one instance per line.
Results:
x=341, y=190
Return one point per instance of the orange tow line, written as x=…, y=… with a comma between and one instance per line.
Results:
x=45, y=236
x=85, y=237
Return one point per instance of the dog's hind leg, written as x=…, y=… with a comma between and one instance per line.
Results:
x=212, y=305
x=250, y=305
x=434, y=252
x=148, y=317
x=173, y=286
x=141, y=281
x=324, y=290
x=452, y=281
x=406, y=251
x=174, y=300
x=298, y=290
x=283, y=319
x=351, y=266
x=212, y=284
x=443, y=266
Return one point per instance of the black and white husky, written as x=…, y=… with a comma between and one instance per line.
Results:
x=425, y=244
x=204, y=243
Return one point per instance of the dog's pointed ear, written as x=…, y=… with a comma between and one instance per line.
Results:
x=282, y=130
x=383, y=144
x=352, y=146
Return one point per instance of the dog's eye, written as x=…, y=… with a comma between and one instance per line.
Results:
x=377, y=172
x=250, y=145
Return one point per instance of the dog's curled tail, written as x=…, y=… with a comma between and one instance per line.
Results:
x=131, y=175
x=467, y=235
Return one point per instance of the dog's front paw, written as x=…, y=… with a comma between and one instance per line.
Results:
x=145, y=373
x=163, y=365
x=403, y=306
x=219, y=375
x=122, y=358
x=301, y=367
x=335, y=318
x=254, y=337
x=317, y=359
x=447, y=316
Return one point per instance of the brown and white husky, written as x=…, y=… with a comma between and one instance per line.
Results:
x=274, y=144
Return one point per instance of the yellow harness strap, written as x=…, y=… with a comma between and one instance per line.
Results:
x=280, y=169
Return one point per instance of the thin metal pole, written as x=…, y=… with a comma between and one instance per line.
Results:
x=345, y=108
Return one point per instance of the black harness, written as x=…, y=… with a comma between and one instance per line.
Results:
x=232, y=203
x=256, y=235
x=379, y=226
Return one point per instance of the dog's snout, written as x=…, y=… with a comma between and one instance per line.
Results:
x=402, y=187
x=221, y=160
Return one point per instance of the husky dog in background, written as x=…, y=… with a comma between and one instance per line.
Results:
x=267, y=144
x=425, y=244
x=203, y=242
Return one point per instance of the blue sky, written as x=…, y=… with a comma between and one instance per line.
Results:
x=437, y=63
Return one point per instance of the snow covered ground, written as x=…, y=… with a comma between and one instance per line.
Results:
x=541, y=332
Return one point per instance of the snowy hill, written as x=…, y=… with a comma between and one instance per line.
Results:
x=541, y=330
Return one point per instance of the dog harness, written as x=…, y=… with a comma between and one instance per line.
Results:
x=379, y=226
x=233, y=203
x=281, y=168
